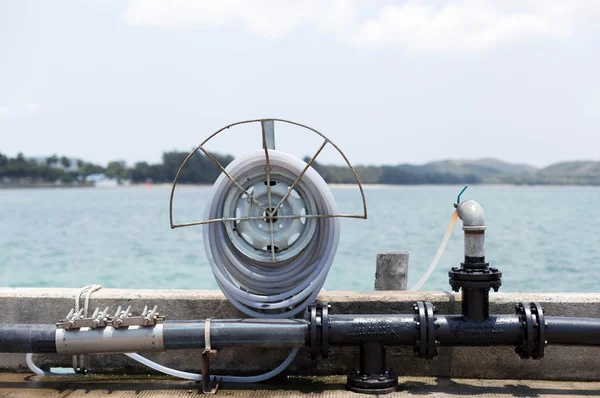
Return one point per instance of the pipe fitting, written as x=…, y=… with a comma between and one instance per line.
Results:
x=472, y=215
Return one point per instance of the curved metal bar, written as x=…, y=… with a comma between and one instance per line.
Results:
x=291, y=188
x=201, y=147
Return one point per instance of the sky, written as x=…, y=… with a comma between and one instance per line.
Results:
x=389, y=82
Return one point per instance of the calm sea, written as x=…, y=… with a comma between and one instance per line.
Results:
x=542, y=238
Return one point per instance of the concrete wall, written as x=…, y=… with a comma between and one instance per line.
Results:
x=36, y=305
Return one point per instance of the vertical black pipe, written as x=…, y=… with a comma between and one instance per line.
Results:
x=475, y=304
x=372, y=358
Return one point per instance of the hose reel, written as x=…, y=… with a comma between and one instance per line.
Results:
x=271, y=227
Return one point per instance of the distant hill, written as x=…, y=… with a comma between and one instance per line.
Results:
x=494, y=165
x=486, y=170
x=576, y=172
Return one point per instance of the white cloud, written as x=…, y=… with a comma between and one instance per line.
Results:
x=457, y=26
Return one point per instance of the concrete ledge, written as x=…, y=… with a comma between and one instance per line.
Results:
x=37, y=305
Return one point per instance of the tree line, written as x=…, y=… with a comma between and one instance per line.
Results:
x=202, y=170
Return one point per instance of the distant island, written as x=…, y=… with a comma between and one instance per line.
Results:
x=64, y=171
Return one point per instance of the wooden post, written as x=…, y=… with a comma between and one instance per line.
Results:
x=392, y=271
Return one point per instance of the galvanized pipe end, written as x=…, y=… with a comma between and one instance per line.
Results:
x=472, y=215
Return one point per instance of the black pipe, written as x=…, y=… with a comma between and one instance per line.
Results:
x=455, y=330
x=372, y=358
x=237, y=332
x=27, y=338
x=392, y=329
x=476, y=303
x=372, y=377
x=572, y=331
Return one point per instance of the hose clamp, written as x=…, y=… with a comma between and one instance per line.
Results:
x=207, y=345
x=208, y=386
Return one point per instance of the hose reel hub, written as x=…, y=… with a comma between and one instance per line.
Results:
x=252, y=237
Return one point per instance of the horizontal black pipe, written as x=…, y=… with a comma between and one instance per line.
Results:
x=237, y=332
x=27, y=338
x=572, y=331
x=455, y=330
x=392, y=329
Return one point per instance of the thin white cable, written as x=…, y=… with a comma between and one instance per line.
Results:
x=438, y=255
x=231, y=379
x=38, y=371
x=79, y=360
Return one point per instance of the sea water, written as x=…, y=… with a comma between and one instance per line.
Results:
x=542, y=238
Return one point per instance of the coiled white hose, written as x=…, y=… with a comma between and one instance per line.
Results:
x=258, y=286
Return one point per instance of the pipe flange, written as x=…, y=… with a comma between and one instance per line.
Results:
x=475, y=278
x=319, y=329
x=540, y=324
x=421, y=324
x=525, y=350
x=313, y=331
x=431, y=342
x=325, y=329
x=383, y=383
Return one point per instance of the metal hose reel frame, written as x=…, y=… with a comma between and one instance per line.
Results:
x=264, y=125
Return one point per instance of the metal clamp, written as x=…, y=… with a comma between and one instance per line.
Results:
x=147, y=318
x=100, y=319
x=208, y=386
x=76, y=321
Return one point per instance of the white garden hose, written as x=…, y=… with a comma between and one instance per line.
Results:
x=232, y=379
x=438, y=255
x=260, y=280
x=40, y=372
